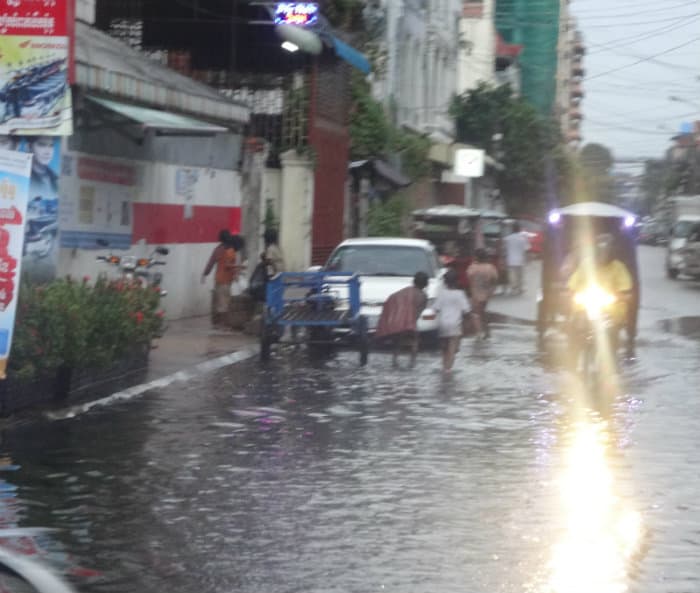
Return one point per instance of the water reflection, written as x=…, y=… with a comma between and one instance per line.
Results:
x=601, y=532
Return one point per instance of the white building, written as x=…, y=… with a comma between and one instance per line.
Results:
x=478, y=40
x=420, y=77
x=570, y=73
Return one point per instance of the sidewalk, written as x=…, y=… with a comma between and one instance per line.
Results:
x=188, y=342
x=521, y=307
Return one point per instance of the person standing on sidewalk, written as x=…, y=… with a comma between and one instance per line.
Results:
x=483, y=277
x=517, y=245
x=272, y=257
x=451, y=306
x=224, y=258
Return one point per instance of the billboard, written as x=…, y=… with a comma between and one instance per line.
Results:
x=35, y=96
x=15, y=170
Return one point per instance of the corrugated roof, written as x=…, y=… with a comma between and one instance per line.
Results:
x=109, y=66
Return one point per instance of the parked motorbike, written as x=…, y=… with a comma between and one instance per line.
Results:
x=593, y=334
x=132, y=268
x=138, y=268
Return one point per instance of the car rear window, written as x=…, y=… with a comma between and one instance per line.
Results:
x=382, y=260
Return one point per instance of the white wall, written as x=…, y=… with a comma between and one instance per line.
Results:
x=189, y=251
x=85, y=11
x=296, y=212
x=477, y=56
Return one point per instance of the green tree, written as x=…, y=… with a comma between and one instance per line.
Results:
x=596, y=166
x=655, y=181
x=511, y=128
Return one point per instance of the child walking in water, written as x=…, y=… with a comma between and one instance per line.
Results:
x=451, y=306
x=482, y=282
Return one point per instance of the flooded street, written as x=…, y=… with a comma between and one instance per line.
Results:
x=328, y=477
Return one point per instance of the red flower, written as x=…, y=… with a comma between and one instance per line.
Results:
x=139, y=317
x=86, y=279
x=160, y=314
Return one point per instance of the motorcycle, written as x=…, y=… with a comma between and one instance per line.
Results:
x=132, y=268
x=593, y=331
x=139, y=269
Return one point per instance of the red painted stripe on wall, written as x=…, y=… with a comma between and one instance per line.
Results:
x=166, y=223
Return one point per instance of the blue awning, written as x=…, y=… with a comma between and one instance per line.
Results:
x=351, y=55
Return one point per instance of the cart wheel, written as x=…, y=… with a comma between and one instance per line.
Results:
x=363, y=338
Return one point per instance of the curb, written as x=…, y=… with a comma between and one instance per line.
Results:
x=138, y=390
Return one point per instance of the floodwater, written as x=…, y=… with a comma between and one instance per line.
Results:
x=327, y=477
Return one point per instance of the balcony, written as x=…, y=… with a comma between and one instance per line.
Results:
x=578, y=70
x=574, y=124
x=575, y=114
x=577, y=91
x=579, y=49
x=574, y=136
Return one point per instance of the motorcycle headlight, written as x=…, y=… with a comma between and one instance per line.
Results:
x=594, y=299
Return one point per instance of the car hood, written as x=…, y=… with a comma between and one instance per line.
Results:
x=375, y=290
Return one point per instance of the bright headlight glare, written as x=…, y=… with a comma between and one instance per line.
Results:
x=594, y=299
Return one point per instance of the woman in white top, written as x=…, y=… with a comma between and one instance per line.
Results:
x=451, y=305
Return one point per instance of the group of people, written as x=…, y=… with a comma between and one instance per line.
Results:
x=403, y=308
x=228, y=261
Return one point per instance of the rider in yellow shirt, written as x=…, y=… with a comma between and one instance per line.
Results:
x=608, y=273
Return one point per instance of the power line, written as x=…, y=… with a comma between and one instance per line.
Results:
x=631, y=39
x=646, y=59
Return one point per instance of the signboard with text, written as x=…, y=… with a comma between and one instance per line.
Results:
x=35, y=96
x=15, y=168
x=97, y=196
x=296, y=13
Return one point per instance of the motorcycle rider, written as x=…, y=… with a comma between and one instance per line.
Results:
x=601, y=268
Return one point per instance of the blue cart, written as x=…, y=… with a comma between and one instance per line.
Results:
x=325, y=304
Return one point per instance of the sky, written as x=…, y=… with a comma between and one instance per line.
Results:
x=629, y=110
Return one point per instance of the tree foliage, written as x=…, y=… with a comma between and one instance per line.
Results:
x=596, y=167
x=373, y=135
x=511, y=129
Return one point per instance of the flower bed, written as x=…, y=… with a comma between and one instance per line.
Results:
x=70, y=334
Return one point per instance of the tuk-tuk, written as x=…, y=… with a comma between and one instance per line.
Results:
x=457, y=232
x=566, y=231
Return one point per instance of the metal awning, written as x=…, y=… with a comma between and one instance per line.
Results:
x=162, y=122
x=351, y=55
x=384, y=170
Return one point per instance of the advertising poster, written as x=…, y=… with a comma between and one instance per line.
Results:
x=35, y=93
x=40, y=252
x=97, y=196
x=15, y=168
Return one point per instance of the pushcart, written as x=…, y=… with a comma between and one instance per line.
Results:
x=325, y=304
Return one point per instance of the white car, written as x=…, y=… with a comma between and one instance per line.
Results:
x=386, y=265
x=676, y=244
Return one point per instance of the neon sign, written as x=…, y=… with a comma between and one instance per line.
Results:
x=296, y=13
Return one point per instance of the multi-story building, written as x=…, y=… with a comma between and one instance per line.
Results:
x=478, y=40
x=570, y=73
x=534, y=25
x=420, y=77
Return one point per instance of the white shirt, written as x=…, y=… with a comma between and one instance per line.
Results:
x=451, y=305
x=517, y=245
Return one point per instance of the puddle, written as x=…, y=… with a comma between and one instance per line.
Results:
x=684, y=326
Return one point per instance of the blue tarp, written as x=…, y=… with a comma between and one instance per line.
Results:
x=351, y=55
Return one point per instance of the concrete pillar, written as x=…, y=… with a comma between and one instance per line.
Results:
x=296, y=211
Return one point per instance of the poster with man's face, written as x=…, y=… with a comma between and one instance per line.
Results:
x=40, y=251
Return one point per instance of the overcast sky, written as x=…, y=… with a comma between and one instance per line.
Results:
x=629, y=110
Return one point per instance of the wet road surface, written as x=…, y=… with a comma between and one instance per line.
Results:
x=328, y=477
